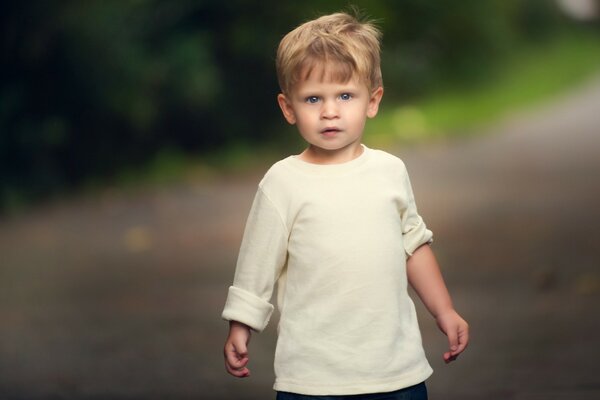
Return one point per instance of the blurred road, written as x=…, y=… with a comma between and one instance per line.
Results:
x=119, y=296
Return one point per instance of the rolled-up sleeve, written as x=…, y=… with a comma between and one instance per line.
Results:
x=414, y=230
x=261, y=259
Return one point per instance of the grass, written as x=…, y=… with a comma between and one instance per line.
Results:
x=172, y=166
x=529, y=77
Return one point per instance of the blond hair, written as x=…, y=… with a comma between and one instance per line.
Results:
x=339, y=44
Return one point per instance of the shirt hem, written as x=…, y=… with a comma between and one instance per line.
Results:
x=355, y=387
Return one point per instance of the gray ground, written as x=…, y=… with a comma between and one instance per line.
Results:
x=119, y=296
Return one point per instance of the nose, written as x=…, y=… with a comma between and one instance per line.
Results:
x=329, y=110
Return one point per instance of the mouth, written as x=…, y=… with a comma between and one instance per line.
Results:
x=330, y=131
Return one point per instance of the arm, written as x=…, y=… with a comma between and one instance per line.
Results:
x=260, y=262
x=425, y=277
x=236, y=349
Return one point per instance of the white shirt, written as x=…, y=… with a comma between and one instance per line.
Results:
x=335, y=238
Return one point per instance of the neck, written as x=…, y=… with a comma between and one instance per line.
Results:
x=316, y=155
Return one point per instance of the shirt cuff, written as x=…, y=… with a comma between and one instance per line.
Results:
x=244, y=307
x=417, y=237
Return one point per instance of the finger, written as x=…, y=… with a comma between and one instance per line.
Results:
x=233, y=364
x=453, y=340
x=237, y=372
x=448, y=357
x=463, y=339
x=234, y=358
x=241, y=348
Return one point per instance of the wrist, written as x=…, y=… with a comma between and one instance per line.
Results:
x=235, y=325
x=442, y=311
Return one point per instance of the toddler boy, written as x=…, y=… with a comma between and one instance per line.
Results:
x=337, y=229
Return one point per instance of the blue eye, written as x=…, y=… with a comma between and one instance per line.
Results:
x=312, y=99
x=345, y=96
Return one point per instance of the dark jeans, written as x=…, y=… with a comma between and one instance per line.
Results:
x=417, y=392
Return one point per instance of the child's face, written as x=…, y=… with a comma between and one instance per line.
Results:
x=330, y=115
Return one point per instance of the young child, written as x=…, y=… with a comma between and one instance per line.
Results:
x=337, y=229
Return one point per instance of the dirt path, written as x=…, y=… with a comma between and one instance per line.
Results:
x=119, y=297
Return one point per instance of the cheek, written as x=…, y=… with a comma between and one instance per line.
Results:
x=304, y=126
x=305, y=118
x=358, y=113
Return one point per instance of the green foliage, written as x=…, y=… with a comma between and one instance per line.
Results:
x=93, y=88
x=530, y=75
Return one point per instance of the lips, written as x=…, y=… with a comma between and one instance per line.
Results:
x=329, y=131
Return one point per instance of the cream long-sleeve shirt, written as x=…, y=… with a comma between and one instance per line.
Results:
x=335, y=239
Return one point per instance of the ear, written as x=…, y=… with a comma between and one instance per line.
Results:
x=286, y=108
x=374, y=101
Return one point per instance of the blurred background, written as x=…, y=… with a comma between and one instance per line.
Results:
x=133, y=134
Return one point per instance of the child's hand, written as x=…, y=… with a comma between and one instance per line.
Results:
x=236, y=350
x=457, y=331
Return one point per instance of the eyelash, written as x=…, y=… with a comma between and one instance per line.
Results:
x=315, y=99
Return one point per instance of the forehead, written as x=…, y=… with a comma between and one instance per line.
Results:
x=322, y=72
